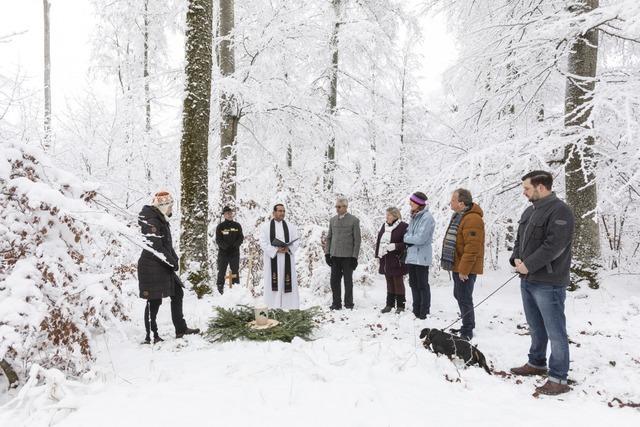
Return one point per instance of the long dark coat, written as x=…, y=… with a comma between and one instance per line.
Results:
x=156, y=278
x=391, y=264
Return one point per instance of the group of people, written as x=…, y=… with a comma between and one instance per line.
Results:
x=541, y=256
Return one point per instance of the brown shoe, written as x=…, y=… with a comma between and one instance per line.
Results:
x=527, y=370
x=551, y=388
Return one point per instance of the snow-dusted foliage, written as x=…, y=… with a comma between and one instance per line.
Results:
x=56, y=287
x=507, y=110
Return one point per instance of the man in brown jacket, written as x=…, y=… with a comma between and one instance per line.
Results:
x=463, y=254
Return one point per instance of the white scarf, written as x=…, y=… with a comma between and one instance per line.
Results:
x=388, y=229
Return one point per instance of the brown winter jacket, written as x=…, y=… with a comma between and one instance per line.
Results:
x=469, y=257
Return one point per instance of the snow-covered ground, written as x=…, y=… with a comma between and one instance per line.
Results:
x=364, y=369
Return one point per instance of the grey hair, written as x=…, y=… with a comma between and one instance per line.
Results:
x=395, y=212
x=464, y=196
x=343, y=201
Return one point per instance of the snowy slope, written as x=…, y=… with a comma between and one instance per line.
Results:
x=365, y=369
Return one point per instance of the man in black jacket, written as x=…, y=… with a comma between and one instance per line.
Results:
x=157, y=266
x=229, y=237
x=542, y=257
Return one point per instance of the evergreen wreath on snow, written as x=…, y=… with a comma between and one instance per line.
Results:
x=233, y=324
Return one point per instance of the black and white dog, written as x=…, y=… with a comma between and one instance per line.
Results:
x=443, y=343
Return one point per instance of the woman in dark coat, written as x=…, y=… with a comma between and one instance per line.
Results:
x=390, y=250
x=156, y=277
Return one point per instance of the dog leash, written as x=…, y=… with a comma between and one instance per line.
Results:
x=489, y=296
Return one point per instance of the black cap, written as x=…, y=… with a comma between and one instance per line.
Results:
x=226, y=209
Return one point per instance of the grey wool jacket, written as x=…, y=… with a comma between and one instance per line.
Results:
x=343, y=239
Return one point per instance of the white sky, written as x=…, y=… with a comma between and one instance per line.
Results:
x=71, y=25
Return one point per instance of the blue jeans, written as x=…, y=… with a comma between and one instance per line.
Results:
x=420, y=291
x=544, y=310
x=463, y=293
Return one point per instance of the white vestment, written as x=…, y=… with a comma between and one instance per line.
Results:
x=279, y=298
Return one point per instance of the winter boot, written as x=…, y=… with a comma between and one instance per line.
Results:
x=400, y=300
x=391, y=299
x=527, y=370
x=552, y=388
x=187, y=331
x=157, y=339
x=147, y=340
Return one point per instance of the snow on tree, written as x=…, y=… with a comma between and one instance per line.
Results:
x=56, y=289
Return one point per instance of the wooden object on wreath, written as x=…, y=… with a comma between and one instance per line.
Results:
x=230, y=276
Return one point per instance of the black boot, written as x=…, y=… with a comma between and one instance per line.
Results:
x=157, y=339
x=391, y=299
x=400, y=300
x=147, y=340
x=187, y=331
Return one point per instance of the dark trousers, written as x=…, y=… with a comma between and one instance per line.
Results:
x=232, y=260
x=150, y=315
x=395, y=285
x=342, y=267
x=419, y=283
x=463, y=293
x=177, y=316
x=395, y=291
x=153, y=306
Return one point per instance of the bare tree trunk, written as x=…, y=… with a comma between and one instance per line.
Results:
x=373, y=144
x=47, y=74
x=579, y=157
x=228, y=108
x=330, y=160
x=289, y=151
x=10, y=373
x=194, y=147
x=147, y=94
x=403, y=119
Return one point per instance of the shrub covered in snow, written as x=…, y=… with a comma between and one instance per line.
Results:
x=53, y=291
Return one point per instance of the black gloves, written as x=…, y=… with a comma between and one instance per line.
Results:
x=354, y=263
x=327, y=258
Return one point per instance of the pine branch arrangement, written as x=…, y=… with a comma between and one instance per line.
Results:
x=233, y=324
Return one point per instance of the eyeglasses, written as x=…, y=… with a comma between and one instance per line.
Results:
x=339, y=206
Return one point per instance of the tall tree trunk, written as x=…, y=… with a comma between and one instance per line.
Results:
x=330, y=157
x=228, y=108
x=579, y=156
x=194, y=147
x=147, y=94
x=403, y=118
x=47, y=74
x=373, y=130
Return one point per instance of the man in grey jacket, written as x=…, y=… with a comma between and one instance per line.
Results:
x=341, y=253
x=542, y=256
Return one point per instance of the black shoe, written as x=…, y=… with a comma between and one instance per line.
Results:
x=387, y=309
x=335, y=307
x=399, y=310
x=454, y=331
x=157, y=339
x=187, y=331
x=348, y=307
x=221, y=289
x=147, y=340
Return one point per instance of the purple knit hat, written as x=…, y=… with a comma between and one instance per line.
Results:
x=419, y=198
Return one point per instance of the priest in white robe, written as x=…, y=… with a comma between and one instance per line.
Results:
x=279, y=242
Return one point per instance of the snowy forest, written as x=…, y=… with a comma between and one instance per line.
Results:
x=247, y=104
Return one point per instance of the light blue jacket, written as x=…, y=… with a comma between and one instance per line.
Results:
x=420, y=235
